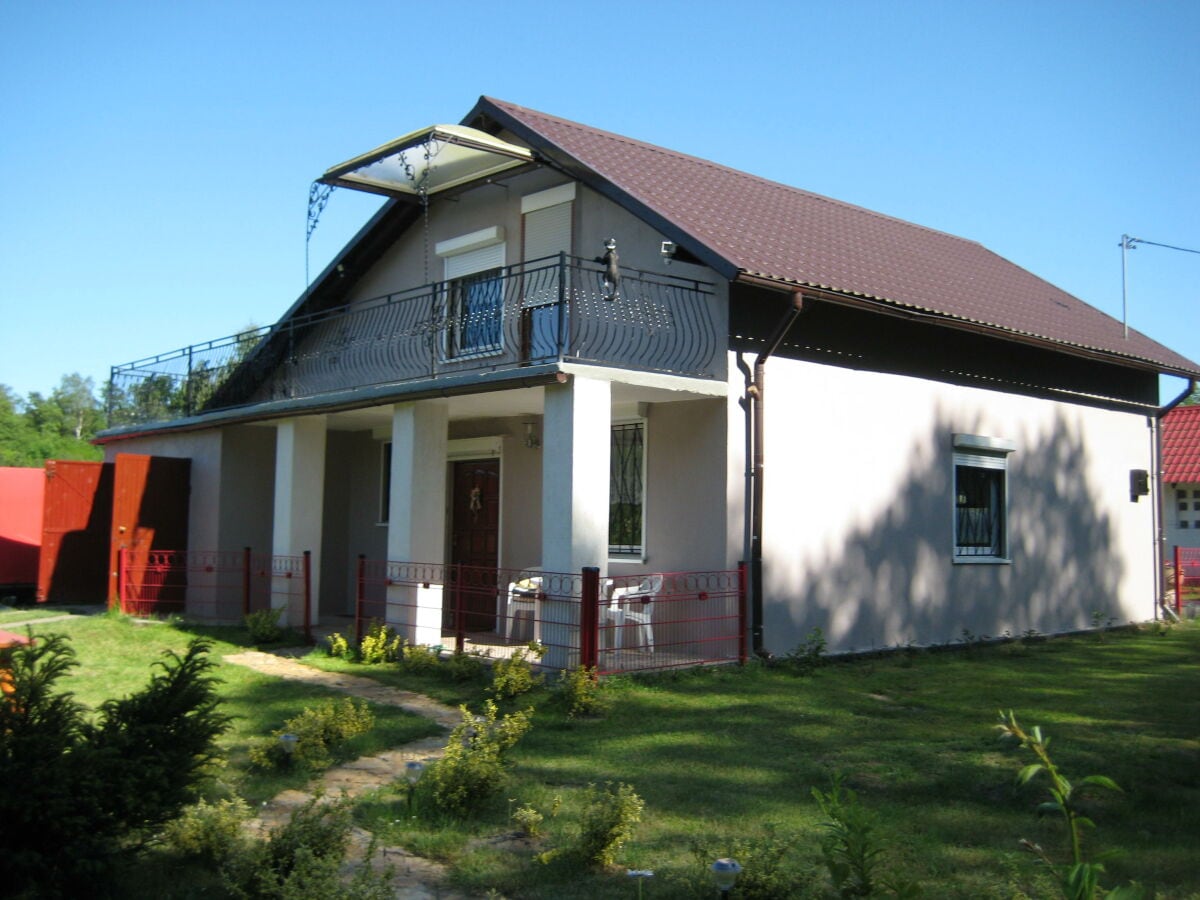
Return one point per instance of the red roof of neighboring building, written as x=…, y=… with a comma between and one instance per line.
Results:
x=1181, y=445
x=743, y=224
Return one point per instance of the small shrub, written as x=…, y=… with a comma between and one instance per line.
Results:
x=514, y=676
x=473, y=767
x=807, y=657
x=380, y=644
x=580, y=689
x=529, y=820
x=419, y=658
x=303, y=858
x=464, y=666
x=209, y=832
x=319, y=731
x=339, y=647
x=607, y=822
x=263, y=625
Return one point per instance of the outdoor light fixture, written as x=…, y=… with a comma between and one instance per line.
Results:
x=668, y=251
x=725, y=872
x=288, y=743
x=532, y=441
x=413, y=770
x=641, y=875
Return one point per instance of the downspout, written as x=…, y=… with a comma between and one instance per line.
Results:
x=754, y=404
x=1160, y=525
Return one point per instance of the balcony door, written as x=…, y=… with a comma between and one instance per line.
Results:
x=546, y=231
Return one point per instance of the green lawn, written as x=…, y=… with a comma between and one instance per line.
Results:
x=26, y=614
x=115, y=656
x=726, y=758
x=726, y=761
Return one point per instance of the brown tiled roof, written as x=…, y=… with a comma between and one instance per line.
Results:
x=740, y=223
x=1181, y=445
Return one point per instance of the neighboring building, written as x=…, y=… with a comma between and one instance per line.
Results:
x=947, y=441
x=1181, y=477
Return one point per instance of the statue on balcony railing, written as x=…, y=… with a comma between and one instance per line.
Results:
x=612, y=269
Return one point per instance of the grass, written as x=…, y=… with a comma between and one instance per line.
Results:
x=26, y=613
x=726, y=760
x=115, y=656
x=722, y=756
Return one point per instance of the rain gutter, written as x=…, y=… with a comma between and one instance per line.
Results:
x=754, y=406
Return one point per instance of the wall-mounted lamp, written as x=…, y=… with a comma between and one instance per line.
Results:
x=532, y=441
x=668, y=251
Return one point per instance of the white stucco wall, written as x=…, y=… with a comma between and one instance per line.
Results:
x=858, y=511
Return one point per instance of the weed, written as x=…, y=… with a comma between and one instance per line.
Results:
x=767, y=870
x=210, y=832
x=1079, y=879
x=851, y=848
x=807, y=657
x=529, y=820
x=339, y=647
x=418, y=658
x=465, y=666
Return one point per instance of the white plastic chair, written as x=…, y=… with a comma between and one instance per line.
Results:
x=524, y=594
x=621, y=613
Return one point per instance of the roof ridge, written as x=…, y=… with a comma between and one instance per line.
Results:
x=739, y=173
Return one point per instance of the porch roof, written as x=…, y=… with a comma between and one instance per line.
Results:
x=751, y=228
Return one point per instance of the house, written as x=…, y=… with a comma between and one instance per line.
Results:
x=1181, y=476
x=908, y=437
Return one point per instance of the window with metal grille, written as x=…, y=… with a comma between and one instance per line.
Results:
x=474, y=312
x=626, y=489
x=980, y=498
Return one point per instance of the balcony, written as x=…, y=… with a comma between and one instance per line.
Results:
x=548, y=311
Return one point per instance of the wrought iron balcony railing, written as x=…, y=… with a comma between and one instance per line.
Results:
x=551, y=310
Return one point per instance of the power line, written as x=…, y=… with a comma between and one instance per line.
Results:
x=1130, y=243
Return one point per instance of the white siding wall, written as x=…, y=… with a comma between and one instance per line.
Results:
x=859, y=511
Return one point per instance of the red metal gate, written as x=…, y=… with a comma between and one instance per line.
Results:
x=76, y=520
x=150, y=512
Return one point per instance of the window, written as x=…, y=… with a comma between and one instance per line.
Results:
x=626, y=489
x=474, y=296
x=980, y=498
x=385, y=482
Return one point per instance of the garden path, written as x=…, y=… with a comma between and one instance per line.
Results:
x=415, y=878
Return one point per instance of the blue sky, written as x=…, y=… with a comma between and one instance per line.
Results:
x=158, y=155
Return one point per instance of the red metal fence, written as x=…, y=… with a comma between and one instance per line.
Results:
x=217, y=585
x=620, y=624
x=1183, y=576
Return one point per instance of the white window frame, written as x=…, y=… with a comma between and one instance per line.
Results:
x=972, y=451
x=639, y=554
x=465, y=256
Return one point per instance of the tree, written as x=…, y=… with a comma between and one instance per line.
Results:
x=76, y=795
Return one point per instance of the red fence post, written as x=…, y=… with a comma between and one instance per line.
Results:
x=308, y=596
x=1178, y=582
x=358, y=598
x=741, y=592
x=460, y=614
x=589, y=618
x=245, y=581
x=121, y=578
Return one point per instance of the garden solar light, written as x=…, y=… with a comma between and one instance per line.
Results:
x=724, y=873
x=288, y=742
x=641, y=875
x=413, y=770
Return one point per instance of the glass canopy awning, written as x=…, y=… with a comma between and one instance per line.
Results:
x=427, y=161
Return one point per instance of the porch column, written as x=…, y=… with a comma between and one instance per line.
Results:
x=417, y=518
x=299, y=505
x=575, y=476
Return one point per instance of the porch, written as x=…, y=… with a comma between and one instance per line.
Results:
x=647, y=622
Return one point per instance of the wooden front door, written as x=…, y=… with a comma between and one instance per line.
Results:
x=474, y=542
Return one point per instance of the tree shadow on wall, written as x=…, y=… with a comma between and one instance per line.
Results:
x=893, y=582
